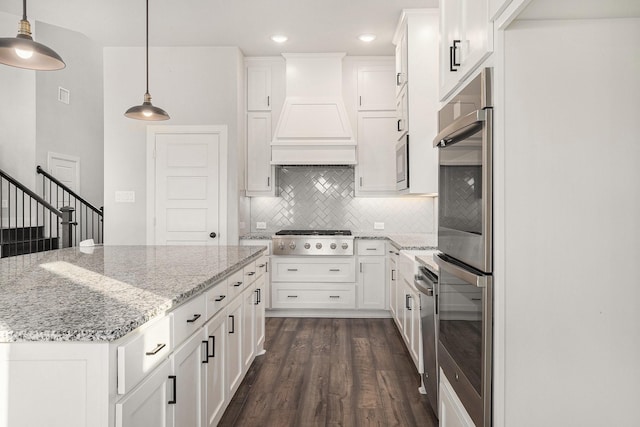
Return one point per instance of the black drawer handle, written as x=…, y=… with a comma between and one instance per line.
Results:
x=237, y=284
x=194, y=318
x=397, y=79
x=206, y=351
x=251, y=273
x=233, y=324
x=334, y=296
x=292, y=296
x=399, y=130
x=372, y=249
x=175, y=391
x=262, y=265
x=155, y=350
x=292, y=269
x=220, y=298
x=334, y=269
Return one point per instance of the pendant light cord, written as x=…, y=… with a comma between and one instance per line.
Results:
x=147, y=46
x=24, y=10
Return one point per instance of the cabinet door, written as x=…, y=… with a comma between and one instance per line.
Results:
x=376, y=87
x=400, y=303
x=416, y=337
x=259, y=88
x=451, y=412
x=401, y=61
x=376, y=168
x=189, y=377
x=234, y=345
x=402, y=111
x=391, y=277
x=261, y=294
x=372, y=289
x=450, y=40
x=259, y=168
x=214, y=370
x=477, y=34
x=248, y=321
x=406, y=315
x=148, y=404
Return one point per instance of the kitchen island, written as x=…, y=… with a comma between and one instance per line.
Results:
x=90, y=336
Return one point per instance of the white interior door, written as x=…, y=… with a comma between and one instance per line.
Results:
x=65, y=169
x=189, y=182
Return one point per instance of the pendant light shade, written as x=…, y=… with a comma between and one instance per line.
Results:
x=146, y=111
x=23, y=52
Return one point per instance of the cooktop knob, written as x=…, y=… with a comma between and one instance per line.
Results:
x=307, y=246
x=345, y=245
x=333, y=246
x=318, y=245
x=292, y=245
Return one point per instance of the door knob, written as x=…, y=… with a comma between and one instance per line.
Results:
x=212, y=235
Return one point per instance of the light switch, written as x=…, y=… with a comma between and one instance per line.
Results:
x=261, y=225
x=378, y=225
x=125, y=196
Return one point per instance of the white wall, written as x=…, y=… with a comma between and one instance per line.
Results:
x=196, y=86
x=572, y=234
x=75, y=129
x=17, y=115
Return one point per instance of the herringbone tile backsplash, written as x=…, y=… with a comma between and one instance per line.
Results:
x=323, y=197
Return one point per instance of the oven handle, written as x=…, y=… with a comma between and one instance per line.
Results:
x=479, y=280
x=460, y=129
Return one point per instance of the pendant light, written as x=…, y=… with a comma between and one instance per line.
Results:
x=23, y=52
x=147, y=111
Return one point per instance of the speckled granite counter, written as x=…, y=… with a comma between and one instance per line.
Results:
x=257, y=236
x=68, y=295
x=403, y=242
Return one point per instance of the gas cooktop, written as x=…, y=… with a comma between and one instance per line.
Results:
x=313, y=233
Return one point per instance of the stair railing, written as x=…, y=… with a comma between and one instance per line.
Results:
x=90, y=220
x=28, y=223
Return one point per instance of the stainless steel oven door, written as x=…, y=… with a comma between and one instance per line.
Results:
x=402, y=163
x=465, y=197
x=465, y=334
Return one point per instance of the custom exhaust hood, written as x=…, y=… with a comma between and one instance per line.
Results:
x=313, y=128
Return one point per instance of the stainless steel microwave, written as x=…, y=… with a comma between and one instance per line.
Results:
x=402, y=163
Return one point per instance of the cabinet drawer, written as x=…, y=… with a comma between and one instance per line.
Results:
x=217, y=298
x=333, y=270
x=371, y=247
x=261, y=266
x=188, y=318
x=235, y=284
x=142, y=353
x=313, y=295
x=250, y=273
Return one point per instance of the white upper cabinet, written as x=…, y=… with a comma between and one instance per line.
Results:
x=376, y=87
x=467, y=39
x=496, y=7
x=375, y=170
x=401, y=62
x=260, y=172
x=259, y=88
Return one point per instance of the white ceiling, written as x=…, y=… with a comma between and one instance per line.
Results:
x=311, y=25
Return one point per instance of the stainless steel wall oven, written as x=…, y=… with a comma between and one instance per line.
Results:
x=465, y=298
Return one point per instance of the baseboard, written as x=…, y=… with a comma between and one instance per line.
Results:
x=349, y=314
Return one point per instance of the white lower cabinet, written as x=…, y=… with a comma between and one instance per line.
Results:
x=234, y=345
x=188, y=376
x=451, y=411
x=248, y=329
x=261, y=292
x=408, y=310
x=372, y=278
x=214, y=370
x=149, y=404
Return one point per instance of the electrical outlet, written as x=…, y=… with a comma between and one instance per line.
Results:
x=378, y=225
x=261, y=225
x=125, y=196
x=5, y=203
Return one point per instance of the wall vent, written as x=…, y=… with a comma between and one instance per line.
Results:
x=63, y=95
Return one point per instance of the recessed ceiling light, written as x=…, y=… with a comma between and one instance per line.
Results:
x=278, y=38
x=367, y=37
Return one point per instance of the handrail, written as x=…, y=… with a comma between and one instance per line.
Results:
x=67, y=189
x=33, y=195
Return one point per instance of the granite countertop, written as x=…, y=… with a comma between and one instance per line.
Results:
x=427, y=261
x=70, y=295
x=257, y=236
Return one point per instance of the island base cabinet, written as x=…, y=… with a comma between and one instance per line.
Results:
x=248, y=329
x=261, y=293
x=214, y=370
x=148, y=404
x=234, y=346
x=54, y=384
x=187, y=364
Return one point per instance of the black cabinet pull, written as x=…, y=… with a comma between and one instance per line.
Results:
x=398, y=79
x=251, y=273
x=213, y=346
x=268, y=101
x=334, y=296
x=155, y=350
x=399, y=130
x=206, y=351
x=237, y=284
x=455, y=48
x=175, y=391
x=259, y=295
x=406, y=301
x=233, y=324
x=257, y=292
x=220, y=298
x=408, y=305
x=194, y=318
x=262, y=265
x=292, y=296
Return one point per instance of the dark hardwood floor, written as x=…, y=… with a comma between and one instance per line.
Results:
x=330, y=372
